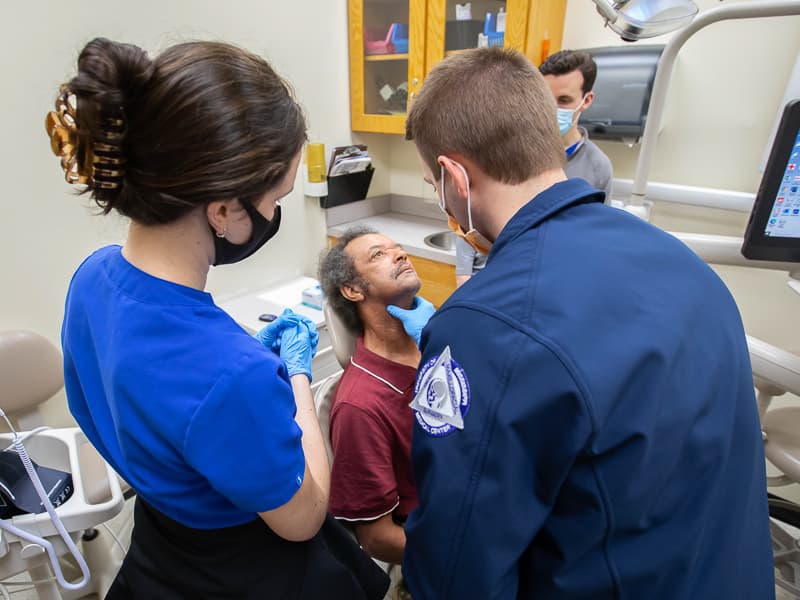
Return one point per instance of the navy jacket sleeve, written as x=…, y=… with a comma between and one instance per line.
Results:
x=492, y=484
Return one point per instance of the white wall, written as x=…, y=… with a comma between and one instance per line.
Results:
x=48, y=230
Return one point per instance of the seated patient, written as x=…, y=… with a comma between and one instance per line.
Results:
x=370, y=420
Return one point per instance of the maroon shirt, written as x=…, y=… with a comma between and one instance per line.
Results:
x=370, y=430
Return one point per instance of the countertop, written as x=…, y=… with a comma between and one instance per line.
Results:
x=246, y=308
x=408, y=230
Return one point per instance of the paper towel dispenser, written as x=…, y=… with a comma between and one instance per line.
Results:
x=625, y=76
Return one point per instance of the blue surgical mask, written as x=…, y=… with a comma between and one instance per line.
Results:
x=566, y=117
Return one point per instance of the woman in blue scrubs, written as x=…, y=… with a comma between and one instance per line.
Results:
x=215, y=431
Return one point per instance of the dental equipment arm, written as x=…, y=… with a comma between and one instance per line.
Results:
x=740, y=10
x=35, y=539
x=726, y=250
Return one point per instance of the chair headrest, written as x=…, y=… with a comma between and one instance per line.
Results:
x=31, y=370
x=343, y=340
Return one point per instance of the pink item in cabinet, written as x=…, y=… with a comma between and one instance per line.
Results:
x=378, y=46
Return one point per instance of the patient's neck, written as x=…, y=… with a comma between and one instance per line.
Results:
x=384, y=335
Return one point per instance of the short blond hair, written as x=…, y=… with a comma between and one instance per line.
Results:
x=492, y=106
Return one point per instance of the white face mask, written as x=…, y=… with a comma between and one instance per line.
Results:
x=566, y=117
x=473, y=237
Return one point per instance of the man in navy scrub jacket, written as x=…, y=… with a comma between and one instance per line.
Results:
x=586, y=426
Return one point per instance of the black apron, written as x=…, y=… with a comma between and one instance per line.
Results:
x=169, y=561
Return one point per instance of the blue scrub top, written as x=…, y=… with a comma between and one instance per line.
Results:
x=593, y=432
x=194, y=413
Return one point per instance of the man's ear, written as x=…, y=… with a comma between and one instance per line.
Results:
x=455, y=173
x=352, y=292
x=587, y=102
x=217, y=213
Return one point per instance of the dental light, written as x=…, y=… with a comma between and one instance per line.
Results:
x=740, y=10
x=639, y=19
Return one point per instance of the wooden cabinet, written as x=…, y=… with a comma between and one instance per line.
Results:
x=387, y=61
x=545, y=29
x=395, y=43
x=438, y=279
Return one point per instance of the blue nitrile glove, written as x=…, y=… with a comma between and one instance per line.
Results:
x=294, y=338
x=415, y=318
x=270, y=335
x=298, y=345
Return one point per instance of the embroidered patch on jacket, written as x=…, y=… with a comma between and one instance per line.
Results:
x=441, y=395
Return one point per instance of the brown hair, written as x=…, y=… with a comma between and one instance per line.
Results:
x=567, y=61
x=492, y=106
x=203, y=121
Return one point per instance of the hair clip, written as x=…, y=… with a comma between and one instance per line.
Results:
x=80, y=164
x=110, y=160
x=61, y=126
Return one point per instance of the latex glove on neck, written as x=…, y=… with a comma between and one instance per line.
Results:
x=415, y=318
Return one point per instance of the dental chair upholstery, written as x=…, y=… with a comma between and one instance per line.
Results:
x=343, y=343
x=30, y=374
x=342, y=339
x=776, y=371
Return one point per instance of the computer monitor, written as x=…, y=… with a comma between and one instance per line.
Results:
x=773, y=232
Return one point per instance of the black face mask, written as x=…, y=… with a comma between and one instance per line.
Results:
x=226, y=253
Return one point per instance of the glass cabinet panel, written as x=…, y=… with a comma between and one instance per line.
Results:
x=474, y=24
x=457, y=26
x=387, y=58
x=386, y=45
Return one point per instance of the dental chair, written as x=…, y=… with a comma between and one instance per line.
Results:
x=30, y=374
x=775, y=372
x=343, y=343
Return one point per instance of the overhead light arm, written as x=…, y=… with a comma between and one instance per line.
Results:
x=607, y=10
x=739, y=10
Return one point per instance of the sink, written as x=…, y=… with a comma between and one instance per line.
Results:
x=444, y=240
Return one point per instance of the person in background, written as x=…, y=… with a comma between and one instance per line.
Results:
x=570, y=75
x=468, y=261
x=573, y=438
x=370, y=420
x=214, y=430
